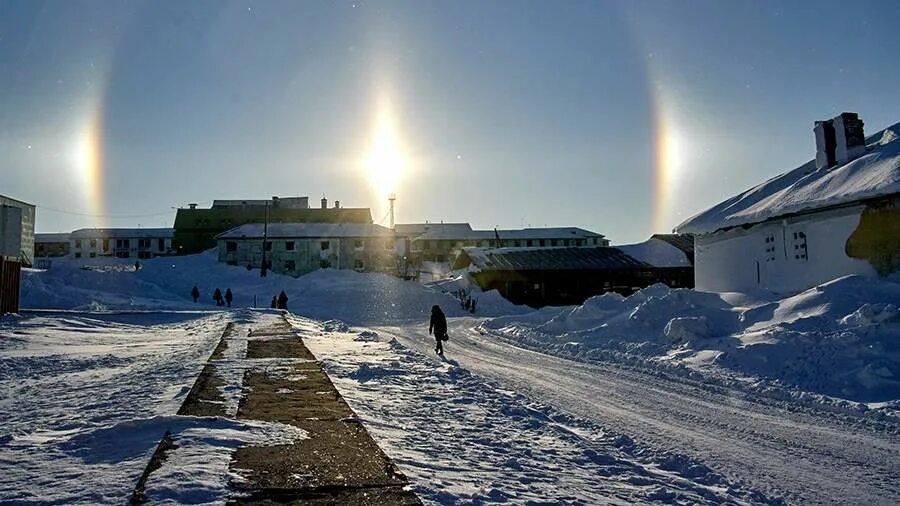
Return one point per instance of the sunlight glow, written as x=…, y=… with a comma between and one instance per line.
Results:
x=386, y=160
x=87, y=158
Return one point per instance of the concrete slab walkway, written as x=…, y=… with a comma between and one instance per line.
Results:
x=281, y=381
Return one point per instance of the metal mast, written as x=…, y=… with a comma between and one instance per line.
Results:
x=391, y=199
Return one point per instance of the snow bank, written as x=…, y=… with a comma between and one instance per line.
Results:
x=840, y=339
x=357, y=298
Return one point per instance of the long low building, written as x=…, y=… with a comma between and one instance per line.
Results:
x=121, y=242
x=299, y=248
x=562, y=276
x=442, y=242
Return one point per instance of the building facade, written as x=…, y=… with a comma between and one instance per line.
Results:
x=834, y=216
x=442, y=242
x=137, y=243
x=299, y=248
x=51, y=245
x=17, y=230
x=196, y=228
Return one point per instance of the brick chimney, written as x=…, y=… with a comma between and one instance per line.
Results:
x=839, y=140
x=324, y=203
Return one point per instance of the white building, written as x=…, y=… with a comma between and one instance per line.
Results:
x=121, y=242
x=17, y=230
x=836, y=215
x=298, y=248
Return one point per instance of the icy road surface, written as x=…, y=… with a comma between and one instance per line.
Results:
x=801, y=454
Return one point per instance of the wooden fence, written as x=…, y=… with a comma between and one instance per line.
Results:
x=10, y=271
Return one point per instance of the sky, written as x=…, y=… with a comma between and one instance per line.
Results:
x=624, y=118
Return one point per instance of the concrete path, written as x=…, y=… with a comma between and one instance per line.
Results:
x=281, y=381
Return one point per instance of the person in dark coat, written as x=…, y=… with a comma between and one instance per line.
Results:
x=282, y=300
x=438, y=327
x=274, y=302
x=195, y=294
x=228, y=296
x=217, y=296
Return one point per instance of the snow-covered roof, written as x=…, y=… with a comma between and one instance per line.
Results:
x=125, y=233
x=656, y=252
x=300, y=230
x=874, y=174
x=525, y=233
x=47, y=238
x=545, y=259
x=417, y=229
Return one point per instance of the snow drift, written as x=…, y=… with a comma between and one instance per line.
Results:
x=840, y=339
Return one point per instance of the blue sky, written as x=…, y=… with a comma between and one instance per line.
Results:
x=506, y=113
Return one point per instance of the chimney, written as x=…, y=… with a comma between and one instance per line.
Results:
x=324, y=203
x=337, y=204
x=274, y=201
x=825, y=144
x=192, y=206
x=850, y=141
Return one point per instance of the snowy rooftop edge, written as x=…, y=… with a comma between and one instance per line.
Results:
x=89, y=233
x=874, y=174
x=288, y=230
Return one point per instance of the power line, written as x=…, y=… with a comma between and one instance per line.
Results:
x=89, y=215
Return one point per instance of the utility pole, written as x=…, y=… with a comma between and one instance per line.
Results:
x=262, y=270
x=391, y=199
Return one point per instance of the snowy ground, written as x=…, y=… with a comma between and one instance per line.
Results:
x=668, y=396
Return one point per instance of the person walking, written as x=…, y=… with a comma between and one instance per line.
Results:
x=217, y=296
x=438, y=327
x=195, y=294
x=228, y=296
x=282, y=300
x=274, y=302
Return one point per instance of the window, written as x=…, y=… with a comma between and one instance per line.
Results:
x=325, y=245
x=105, y=244
x=143, y=243
x=529, y=243
x=93, y=243
x=579, y=242
x=161, y=245
x=123, y=243
x=389, y=245
x=770, y=247
x=290, y=265
x=92, y=255
x=553, y=242
x=267, y=245
x=358, y=244
x=231, y=246
x=78, y=243
x=542, y=242
x=289, y=246
x=799, y=243
x=358, y=265
x=77, y=255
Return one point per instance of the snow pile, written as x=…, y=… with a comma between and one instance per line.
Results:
x=656, y=252
x=840, y=339
x=166, y=282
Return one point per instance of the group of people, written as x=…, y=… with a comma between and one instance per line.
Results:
x=279, y=302
x=466, y=301
x=220, y=300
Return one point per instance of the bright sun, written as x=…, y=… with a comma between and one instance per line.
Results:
x=386, y=161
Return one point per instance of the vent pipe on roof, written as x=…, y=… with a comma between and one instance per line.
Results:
x=324, y=203
x=337, y=204
x=192, y=206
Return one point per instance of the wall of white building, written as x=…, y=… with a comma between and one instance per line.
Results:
x=782, y=256
x=121, y=247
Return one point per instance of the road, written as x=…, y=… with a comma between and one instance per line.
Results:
x=803, y=454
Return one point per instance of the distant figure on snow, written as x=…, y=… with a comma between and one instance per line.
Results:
x=438, y=327
x=217, y=296
x=228, y=296
x=274, y=302
x=137, y=265
x=282, y=300
x=195, y=294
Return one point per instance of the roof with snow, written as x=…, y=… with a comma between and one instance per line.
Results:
x=47, y=238
x=125, y=233
x=873, y=174
x=302, y=230
x=417, y=229
x=663, y=250
x=525, y=233
x=545, y=259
